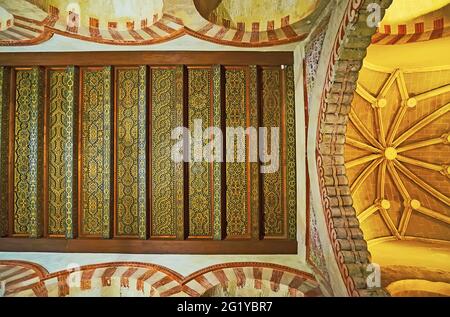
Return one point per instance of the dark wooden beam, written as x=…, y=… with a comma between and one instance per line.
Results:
x=148, y=246
x=146, y=58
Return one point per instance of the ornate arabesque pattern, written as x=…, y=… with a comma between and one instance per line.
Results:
x=96, y=149
x=28, y=154
x=217, y=166
x=167, y=219
x=61, y=167
x=4, y=89
x=236, y=172
x=205, y=219
x=242, y=179
x=274, y=217
x=130, y=99
x=200, y=191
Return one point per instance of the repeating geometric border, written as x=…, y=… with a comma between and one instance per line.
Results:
x=347, y=240
x=156, y=280
x=26, y=31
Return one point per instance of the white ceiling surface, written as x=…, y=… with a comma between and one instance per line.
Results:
x=60, y=43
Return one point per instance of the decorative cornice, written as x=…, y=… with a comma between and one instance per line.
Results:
x=348, y=52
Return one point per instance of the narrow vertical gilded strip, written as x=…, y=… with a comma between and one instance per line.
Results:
x=142, y=183
x=179, y=167
x=106, y=213
x=291, y=154
x=217, y=172
x=253, y=147
x=4, y=119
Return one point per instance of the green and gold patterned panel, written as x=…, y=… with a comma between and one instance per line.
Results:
x=242, y=193
x=62, y=162
x=205, y=217
x=130, y=152
x=167, y=200
x=4, y=119
x=291, y=175
x=96, y=151
x=28, y=153
x=279, y=188
x=273, y=205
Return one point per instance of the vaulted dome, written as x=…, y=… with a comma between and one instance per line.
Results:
x=118, y=14
x=244, y=14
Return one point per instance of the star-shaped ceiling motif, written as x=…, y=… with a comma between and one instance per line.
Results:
x=387, y=150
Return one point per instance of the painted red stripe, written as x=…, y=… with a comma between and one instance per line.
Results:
x=257, y=275
x=238, y=36
x=296, y=282
x=289, y=31
x=164, y=27
x=419, y=29
x=162, y=282
x=387, y=29
x=136, y=35
x=272, y=35
x=255, y=33
x=395, y=39
x=40, y=290
x=379, y=37
x=438, y=29
x=5, y=268
x=63, y=286
x=173, y=19
x=414, y=38
x=115, y=34
x=86, y=277
x=203, y=282
x=205, y=29
x=219, y=35
x=20, y=280
x=240, y=276
x=150, y=32
x=125, y=279
x=190, y=291
x=221, y=276
x=11, y=36
x=402, y=29
x=20, y=271
x=26, y=35
x=106, y=277
x=275, y=280
x=27, y=27
x=95, y=33
x=172, y=291
x=141, y=280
